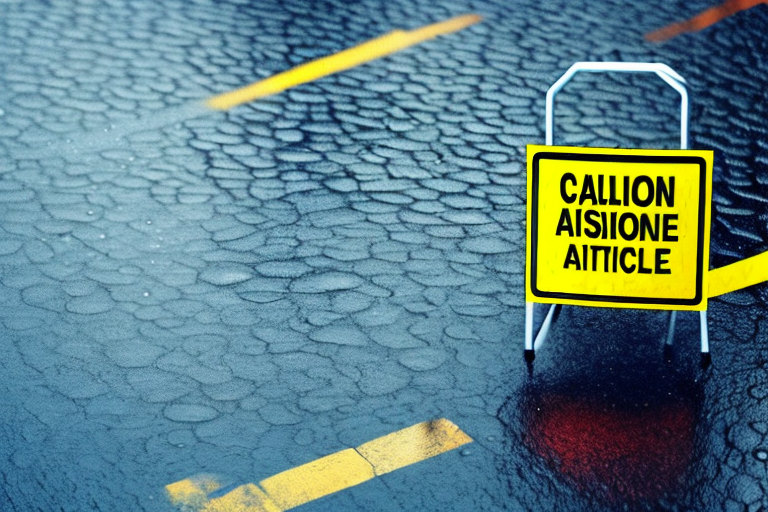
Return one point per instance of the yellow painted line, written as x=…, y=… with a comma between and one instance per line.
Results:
x=325, y=475
x=738, y=275
x=246, y=498
x=192, y=492
x=410, y=445
x=370, y=50
x=317, y=479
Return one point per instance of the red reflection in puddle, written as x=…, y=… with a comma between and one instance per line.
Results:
x=619, y=453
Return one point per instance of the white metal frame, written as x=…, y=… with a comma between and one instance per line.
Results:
x=677, y=82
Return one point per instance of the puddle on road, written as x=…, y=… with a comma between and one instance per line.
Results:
x=614, y=437
x=618, y=432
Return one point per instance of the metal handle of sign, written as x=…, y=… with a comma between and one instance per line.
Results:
x=662, y=70
x=674, y=80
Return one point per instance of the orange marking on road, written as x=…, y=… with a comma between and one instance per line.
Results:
x=702, y=20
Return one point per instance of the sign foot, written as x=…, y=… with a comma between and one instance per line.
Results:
x=530, y=355
x=668, y=353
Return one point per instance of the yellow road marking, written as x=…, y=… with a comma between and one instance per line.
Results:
x=318, y=478
x=410, y=445
x=325, y=475
x=738, y=275
x=370, y=50
x=246, y=498
x=192, y=492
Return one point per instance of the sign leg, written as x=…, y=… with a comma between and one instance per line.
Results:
x=706, y=358
x=704, y=333
x=671, y=328
x=545, y=327
x=529, y=354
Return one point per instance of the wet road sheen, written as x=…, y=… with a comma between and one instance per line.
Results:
x=237, y=293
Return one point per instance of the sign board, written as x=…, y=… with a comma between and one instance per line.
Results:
x=618, y=227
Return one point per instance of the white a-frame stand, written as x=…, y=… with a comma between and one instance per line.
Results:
x=676, y=82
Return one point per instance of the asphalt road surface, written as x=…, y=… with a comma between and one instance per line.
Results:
x=185, y=291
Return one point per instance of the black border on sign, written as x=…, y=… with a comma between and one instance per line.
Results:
x=591, y=157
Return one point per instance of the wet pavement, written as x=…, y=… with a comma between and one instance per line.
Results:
x=237, y=293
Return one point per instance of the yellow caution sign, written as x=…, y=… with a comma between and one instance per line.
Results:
x=618, y=227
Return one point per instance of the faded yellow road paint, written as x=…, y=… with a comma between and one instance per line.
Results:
x=318, y=478
x=192, y=492
x=323, y=476
x=246, y=498
x=375, y=48
x=702, y=20
x=413, y=444
x=738, y=275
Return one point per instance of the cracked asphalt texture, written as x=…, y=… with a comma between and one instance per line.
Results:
x=238, y=293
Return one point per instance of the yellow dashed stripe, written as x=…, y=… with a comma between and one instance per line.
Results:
x=246, y=498
x=366, y=52
x=317, y=479
x=192, y=492
x=412, y=444
x=325, y=475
